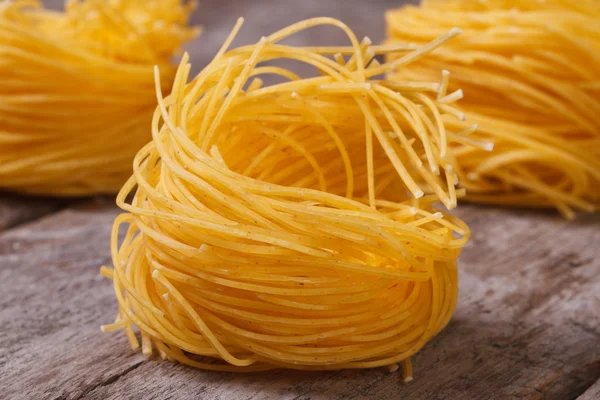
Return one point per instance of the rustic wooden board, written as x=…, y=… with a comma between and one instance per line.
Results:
x=526, y=325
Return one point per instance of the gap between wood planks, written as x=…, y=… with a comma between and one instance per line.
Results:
x=18, y=209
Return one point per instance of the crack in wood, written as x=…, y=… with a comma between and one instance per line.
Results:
x=107, y=381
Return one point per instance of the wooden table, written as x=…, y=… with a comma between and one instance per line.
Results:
x=527, y=324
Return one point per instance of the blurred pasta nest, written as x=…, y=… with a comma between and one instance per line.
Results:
x=290, y=224
x=531, y=74
x=78, y=90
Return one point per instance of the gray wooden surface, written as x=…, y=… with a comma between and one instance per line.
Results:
x=527, y=324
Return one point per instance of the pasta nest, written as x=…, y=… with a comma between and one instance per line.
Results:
x=78, y=89
x=291, y=224
x=530, y=71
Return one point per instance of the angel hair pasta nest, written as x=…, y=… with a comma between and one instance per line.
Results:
x=290, y=225
x=531, y=74
x=78, y=89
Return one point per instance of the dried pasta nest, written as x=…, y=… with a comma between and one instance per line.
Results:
x=78, y=89
x=531, y=75
x=291, y=225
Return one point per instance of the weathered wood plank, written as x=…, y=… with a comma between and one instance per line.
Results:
x=525, y=324
x=51, y=306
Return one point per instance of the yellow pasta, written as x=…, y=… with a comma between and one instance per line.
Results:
x=291, y=224
x=530, y=71
x=77, y=89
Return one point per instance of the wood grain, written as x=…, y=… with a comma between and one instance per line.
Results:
x=525, y=327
